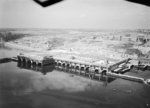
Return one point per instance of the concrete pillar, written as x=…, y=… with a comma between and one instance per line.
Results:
x=67, y=66
x=61, y=65
x=19, y=59
x=36, y=63
x=79, y=68
x=93, y=72
x=55, y=63
x=73, y=67
x=31, y=62
x=26, y=60
x=23, y=60
x=100, y=70
x=75, y=70
x=86, y=69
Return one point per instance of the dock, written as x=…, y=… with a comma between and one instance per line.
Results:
x=90, y=70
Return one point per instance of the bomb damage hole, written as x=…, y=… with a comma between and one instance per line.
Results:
x=68, y=65
x=82, y=68
x=96, y=71
x=77, y=67
x=55, y=63
x=59, y=64
x=64, y=65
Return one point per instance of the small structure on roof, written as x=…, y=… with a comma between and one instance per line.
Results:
x=35, y=58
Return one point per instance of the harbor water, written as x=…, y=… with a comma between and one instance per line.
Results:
x=36, y=87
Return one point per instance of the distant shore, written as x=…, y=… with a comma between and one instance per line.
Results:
x=89, y=46
x=56, y=52
x=20, y=47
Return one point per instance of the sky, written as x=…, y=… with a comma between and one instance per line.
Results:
x=76, y=14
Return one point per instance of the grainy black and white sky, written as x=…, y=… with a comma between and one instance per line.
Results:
x=86, y=14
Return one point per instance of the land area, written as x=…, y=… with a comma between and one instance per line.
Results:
x=21, y=87
x=93, y=46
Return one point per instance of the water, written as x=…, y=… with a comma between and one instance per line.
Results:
x=28, y=87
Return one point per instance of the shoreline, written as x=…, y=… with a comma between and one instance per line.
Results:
x=73, y=56
x=56, y=52
x=20, y=47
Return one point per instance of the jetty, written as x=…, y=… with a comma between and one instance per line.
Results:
x=90, y=70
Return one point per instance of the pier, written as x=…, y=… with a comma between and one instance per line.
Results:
x=90, y=70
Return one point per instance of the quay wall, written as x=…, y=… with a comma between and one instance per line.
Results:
x=91, y=70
